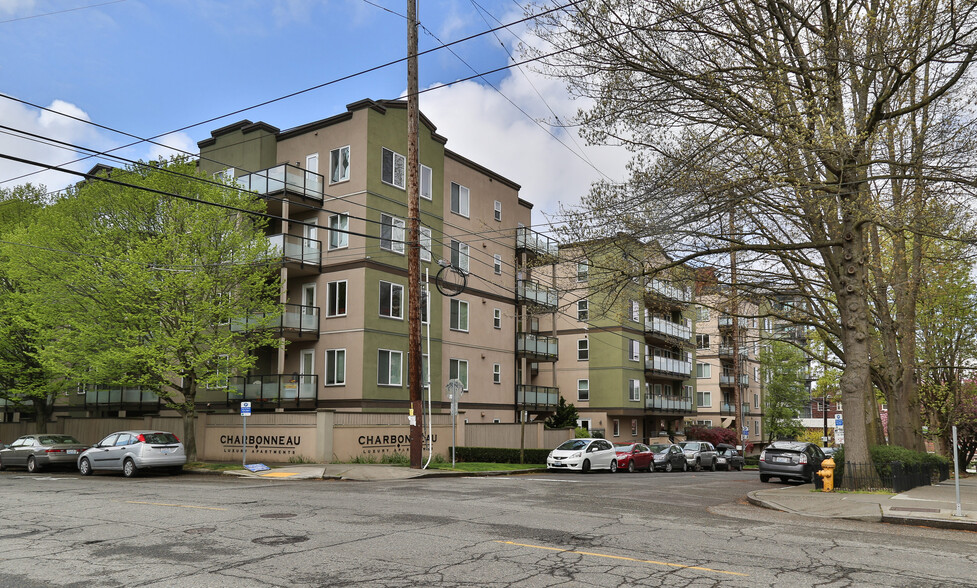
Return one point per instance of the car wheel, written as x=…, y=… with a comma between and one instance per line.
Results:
x=713, y=466
x=32, y=466
x=764, y=478
x=668, y=466
x=2, y=467
x=685, y=466
x=613, y=466
x=631, y=467
x=85, y=467
x=698, y=465
x=129, y=468
x=585, y=466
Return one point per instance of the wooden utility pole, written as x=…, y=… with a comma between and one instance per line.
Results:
x=415, y=361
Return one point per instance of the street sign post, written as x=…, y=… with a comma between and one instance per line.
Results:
x=453, y=390
x=245, y=413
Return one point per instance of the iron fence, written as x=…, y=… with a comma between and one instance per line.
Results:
x=895, y=476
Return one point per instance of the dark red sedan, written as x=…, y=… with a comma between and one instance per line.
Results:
x=634, y=456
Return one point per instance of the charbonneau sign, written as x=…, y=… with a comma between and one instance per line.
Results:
x=381, y=443
x=258, y=440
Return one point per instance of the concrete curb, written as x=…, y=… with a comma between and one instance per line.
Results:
x=756, y=501
x=953, y=525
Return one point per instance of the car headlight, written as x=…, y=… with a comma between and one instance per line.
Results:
x=550, y=456
x=577, y=454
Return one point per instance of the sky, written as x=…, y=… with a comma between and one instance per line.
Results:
x=149, y=68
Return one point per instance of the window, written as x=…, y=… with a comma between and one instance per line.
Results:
x=220, y=370
x=393, y=167
x=459, y=199
x=634, y=427
x=497, y=265
x=458, y=370
x=498, y=210
x=756, y=401
x=338, y=231
x=583, y=310
x=583, y=390
x=634, y=390
x=427, y=183
x=425, y=233
x=392, y=233
x=756, y=374
x=336, y=298
x=388, y=368
x=496, y=373
x=756, y=428
x=702, y=341
x=459, y=315
x=838, y=406
x=635, y=311
x=701, y=314
x=703, y=399
x=497, y=318
x=583, y=349
x=312, y=163
x=425, y=363
x=391, y=300
x=706, y=423
x=703, y=370
x=634, y=351
x=583, y=272
x=616, y=428
x=658, y=389
x=339, y=165
x=459, y=255
x=335, y=367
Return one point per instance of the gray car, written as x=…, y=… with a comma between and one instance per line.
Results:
x=131, y=451
x=790, y=460
x=35, y=452
x=700, y=454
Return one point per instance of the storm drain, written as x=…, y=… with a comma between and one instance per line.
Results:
x=200, y=531
x=278, y=515
x=275, y=540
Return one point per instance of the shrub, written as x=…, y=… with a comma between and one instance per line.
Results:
x=581, y=433
x=884, y=455
x=499, y=455
x=714, y=435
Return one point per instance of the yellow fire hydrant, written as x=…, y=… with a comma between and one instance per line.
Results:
x=828, y=474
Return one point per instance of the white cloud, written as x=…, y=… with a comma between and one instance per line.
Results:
x=21, y=7
x=173, y=144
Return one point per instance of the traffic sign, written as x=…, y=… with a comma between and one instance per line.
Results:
x=245, y=409
x=454, y=390
x=839, y=421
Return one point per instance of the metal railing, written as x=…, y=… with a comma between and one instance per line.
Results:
x=537, y=346
x=294, y=317
x=668, y=290
x=272, y=389
x=530, y=240
x=113, y=396
x=539, y=396
x=726, y=379
x=283, y=177
x=296, y=249
x=668, y=362
x=669, y=403
x=536, y=293
x=727, y=351
x=726, y=321
x=665, y=327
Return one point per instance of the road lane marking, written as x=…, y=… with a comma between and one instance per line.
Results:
x=175, y=505
x=279, y=474
x=658, y=563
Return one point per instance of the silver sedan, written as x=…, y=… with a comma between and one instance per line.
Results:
x=35, y=452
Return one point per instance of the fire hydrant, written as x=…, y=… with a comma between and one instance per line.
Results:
x=828, y=474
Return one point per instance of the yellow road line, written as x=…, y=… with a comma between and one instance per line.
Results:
x=278, y=474
x=648, y=561
x=176, y=505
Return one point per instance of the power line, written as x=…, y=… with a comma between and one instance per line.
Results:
x=60, y=11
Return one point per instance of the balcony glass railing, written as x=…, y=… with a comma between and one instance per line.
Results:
x=726, y=379
x=272, y=389
x=292, y=248
x=108, y=395
x=538, y=346
x=537, y=395
x=284, y=177
x=294, y=317
x=530, y=240
x=667, y=362
x=535, y=293
x=727, y=351
x=669, y=403
x=726, y=321
x=669, y=290
x=661, y=326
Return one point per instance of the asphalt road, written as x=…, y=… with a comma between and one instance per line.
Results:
x=545, y=529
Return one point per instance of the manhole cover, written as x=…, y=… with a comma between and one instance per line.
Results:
x=278, y=515
x=200, y=531
x=275, y=540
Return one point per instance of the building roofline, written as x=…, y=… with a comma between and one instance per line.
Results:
x=245, y=126
x=495, y=176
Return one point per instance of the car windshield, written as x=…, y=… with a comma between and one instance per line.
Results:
x=624, y=448
x=160, y=438
x=659, y=448
x=690, y=445
x=56, y=439
x=573, y=444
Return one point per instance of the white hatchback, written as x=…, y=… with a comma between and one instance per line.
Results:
x=131, y=451
x=583, y=455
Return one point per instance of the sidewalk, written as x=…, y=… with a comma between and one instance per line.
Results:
x=352, y=472
x=929, y=506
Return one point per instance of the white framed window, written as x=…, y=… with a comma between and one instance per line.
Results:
x=459, y=199
x=756, y=374
x=425, y=363
x=426, y=183
x=226, y=175
x=393, y=168
x=703, y=370
x=756, y=401
x=221, y=371
x=335, y=367
x=336, y=298
x=701, y=314
x=458, y=315
x=392, y=233
x=338, y=231
x=756, y=428
x=339, y=165
x=389, y=367
x=425, y=252
x=616, y=427
x=583, y=310
x=583, y=272
x=425, y=306
x=583, y=349
x=634, y=350
x=838, y=406
x=459, y=255
x=312, y=163
x=704, y=423
x=702, y=341
x=496, y=373
x=658, y=389
x=703, y=399
x=458, y=370
x=583, y=390
x=634, y=390
x=497, y=318
x=635, y=311
x=497, y=264
x=391, y=300
x=498, y=210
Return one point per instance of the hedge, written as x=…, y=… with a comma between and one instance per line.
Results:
x=499, y=455
x=884, y=455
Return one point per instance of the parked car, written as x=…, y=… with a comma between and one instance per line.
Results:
x=829, y=451
x=131, y=451
x=670, y=457
x=583, y=455
x=634, y=456
x=729, y=459
x=700, y=454
x=790, y=460
x=36, y=452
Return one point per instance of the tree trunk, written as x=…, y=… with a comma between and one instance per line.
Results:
x=188, y=411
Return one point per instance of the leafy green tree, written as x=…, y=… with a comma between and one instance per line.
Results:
x=784, y=373
x=566, y=416
x=134, y=280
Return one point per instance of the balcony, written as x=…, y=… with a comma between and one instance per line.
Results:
x=537, y=397
x=295, y=322
x=669, y=364
x=726, y=352
x=726, y=322
x=272, y=390
x=668, y=291
x=535, y=243
x=530, y=292
x=286, y=179
x=659, y=327
x=729, y=409
x=726, y=379
x=132, y=397
x=681, y=404
x=302, y=255
x=537, y=347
